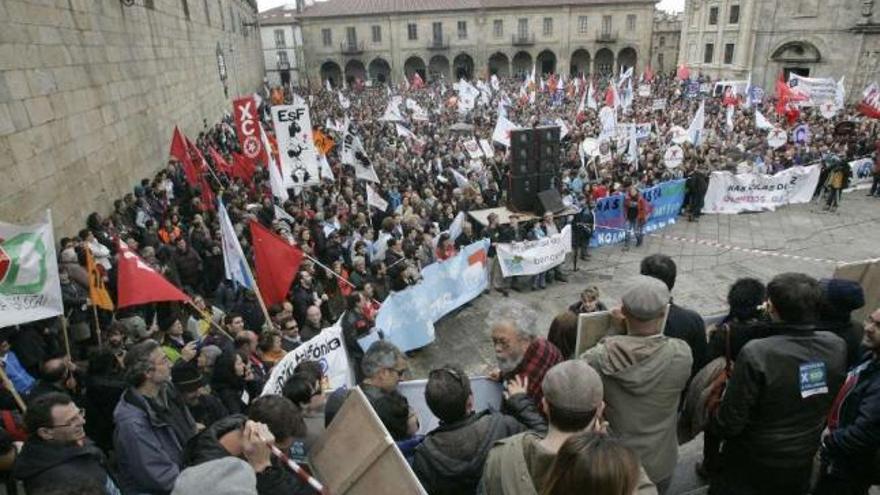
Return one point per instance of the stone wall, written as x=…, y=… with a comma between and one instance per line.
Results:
x=90, y=91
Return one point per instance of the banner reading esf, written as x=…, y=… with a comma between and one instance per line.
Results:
x=533, y=257
x=296, y=146
x=610, y=220
x=327, y=349
x=248, y=128
x=730, y=193
x=407, y=318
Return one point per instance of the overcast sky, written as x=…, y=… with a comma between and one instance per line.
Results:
x=668, y=5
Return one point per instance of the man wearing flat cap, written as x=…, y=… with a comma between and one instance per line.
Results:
x=644, y=373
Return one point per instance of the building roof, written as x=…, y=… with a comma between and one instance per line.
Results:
x=348, y=8
x=285, y=14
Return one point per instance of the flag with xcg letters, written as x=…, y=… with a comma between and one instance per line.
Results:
x=29, y=286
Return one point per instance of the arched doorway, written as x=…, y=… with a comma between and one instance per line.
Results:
x=414, y=65
x=380, y=71
x=796, y=57
x=355, y=70
x=330, y=71
x=522, y=64
x=627, y=58
x=499, y=65
x=438, y=67
x=604, y=62
x=580, y=63
x=547, y=62
x=463, y=66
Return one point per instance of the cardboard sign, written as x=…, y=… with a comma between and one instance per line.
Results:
x=593, y=327
x=867, y=274
x=356, y=455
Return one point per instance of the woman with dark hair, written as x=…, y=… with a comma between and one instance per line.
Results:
x=229, y=380
x=593, y=463
x=745, y=299
x=563, y=333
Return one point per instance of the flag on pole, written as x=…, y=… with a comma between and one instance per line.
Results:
x=30, y=289
x=460, y=180
x=501, y=134
x=276, y=261
x=591, y=98
x=220, y=162
x=180, y=151
x=243, y=167
x=97, y=291
x=683, y=73
x=344, y=102
x=234, y=262
x=870, y=104
x=276, y=182
x=324, y=171
x=376, y=201
x=137, y=283
x=695, y=130
x=404, y=132
x=840, y=94
x=761, y=122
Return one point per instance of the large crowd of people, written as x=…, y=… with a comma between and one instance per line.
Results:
x=168, y=398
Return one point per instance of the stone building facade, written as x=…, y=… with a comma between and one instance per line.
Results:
x=90, y=91
x=665, y=39
x=381, y=40
x=281, y=37
x=732, y=38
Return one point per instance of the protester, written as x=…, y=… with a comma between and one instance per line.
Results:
x=594, y=463
x=384, y=366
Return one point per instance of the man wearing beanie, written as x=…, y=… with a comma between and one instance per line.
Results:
x=644, y=373
x=572, y=401
x=839, y=299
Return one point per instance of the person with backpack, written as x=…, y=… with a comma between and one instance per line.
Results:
x=838, y=180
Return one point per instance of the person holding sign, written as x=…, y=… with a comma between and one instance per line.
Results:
x=773, y=409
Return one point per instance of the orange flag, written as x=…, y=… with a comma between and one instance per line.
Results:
x=97, y=291
x=323, y=142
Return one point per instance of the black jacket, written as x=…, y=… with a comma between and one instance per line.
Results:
x=687, y=325
x=392, y=408
x=43, y=466
x=852, y=448
x=765, y=418
x=450, y=460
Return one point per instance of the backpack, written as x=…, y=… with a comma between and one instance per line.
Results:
x=719, y=383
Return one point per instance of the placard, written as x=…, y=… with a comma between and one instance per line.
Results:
x=296, y=147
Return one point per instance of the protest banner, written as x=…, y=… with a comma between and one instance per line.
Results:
x=659, y=104
x=673, y=157
x=777, y=137
x=729, y=193
x=407, y=317
x=247, y=127
x=487, y=148
x=816, y=90
x=610, y=224
x=533, y=257
x=373, y=463
x=643, y=130
x=644, y=90
x=487, y=395
x=296, y=146
x=30, y=289
x=861, y=173
x=473, y=148
x=327, y=349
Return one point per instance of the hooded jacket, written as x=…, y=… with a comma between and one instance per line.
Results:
x=644, y=378
x=44, y=465
x=450, y=460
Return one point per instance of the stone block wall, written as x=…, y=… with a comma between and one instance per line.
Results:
x=90, y=91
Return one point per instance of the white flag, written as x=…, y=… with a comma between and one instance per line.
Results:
x=327, y=85
x=563, y=128
x=591, y=98
x=840, y=94
x=633, y=150
x=501, y=134
x=761, y=122
x=460, y=179
x=283, y=215
x=626, y=74
x=376, y=201
x=404, y=132
x=234, y=262
x=729, y=118
x=275, y=180
x=496, y=84
x=325, y=171
x=392, y=111
x=343, y=101
x=695, y=130
x=456, y=226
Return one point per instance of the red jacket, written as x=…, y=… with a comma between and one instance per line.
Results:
x=644, y=208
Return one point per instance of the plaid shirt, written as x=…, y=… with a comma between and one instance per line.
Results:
x=540, y=356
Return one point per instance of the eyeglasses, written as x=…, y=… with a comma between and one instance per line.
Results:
x=80, y=415
x=400, y=372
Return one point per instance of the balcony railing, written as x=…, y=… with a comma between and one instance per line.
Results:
x=606, y=36
x=438, y=43
x=523, y=39
x=351, y=48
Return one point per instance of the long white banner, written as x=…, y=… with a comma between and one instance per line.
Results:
x=327, y=348
x=730, y=193
x=817, y=90
x=533, y=257
x=293, y=130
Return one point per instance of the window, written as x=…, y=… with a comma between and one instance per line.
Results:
x=522, y=28
x=437, y=33
x=662, y=41
x=377, y=34
x=548, y=26
x=280, y=42
x=734, y=14
x=351, y=37
x=660, y=62
x=713, y=16
x=462, y=30
x=631, y=22
x=708, y=53
x=412, y=32
x=327, y=36
x=728, y=53
x=185, y=6
x=283, y=60
x=582, y=24
x=606, y=24
x=498, y=28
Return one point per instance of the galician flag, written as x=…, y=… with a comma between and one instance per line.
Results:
x=234, y=262
x=29, y=285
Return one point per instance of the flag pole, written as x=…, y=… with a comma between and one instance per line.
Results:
x=9, y=386
x=209, y=319
x=66, y=338
x=97, y=323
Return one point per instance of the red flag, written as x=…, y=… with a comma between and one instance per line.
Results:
x=870, y=104
x=785, y=99
x=648, y=74
x=683, y=72
x=609, y=95
x=220, y=162
x=243, y=167
x=729, y=98
x=247, y=126
x=138, y=283
x=180, y=151
x=276, y=262
x=417, y=81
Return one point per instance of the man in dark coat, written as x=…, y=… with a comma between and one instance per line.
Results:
x=58, y=454
x=384, y=366
x=189, y=265
x=697, y=184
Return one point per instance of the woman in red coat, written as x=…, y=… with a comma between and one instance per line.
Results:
x=636, y=211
